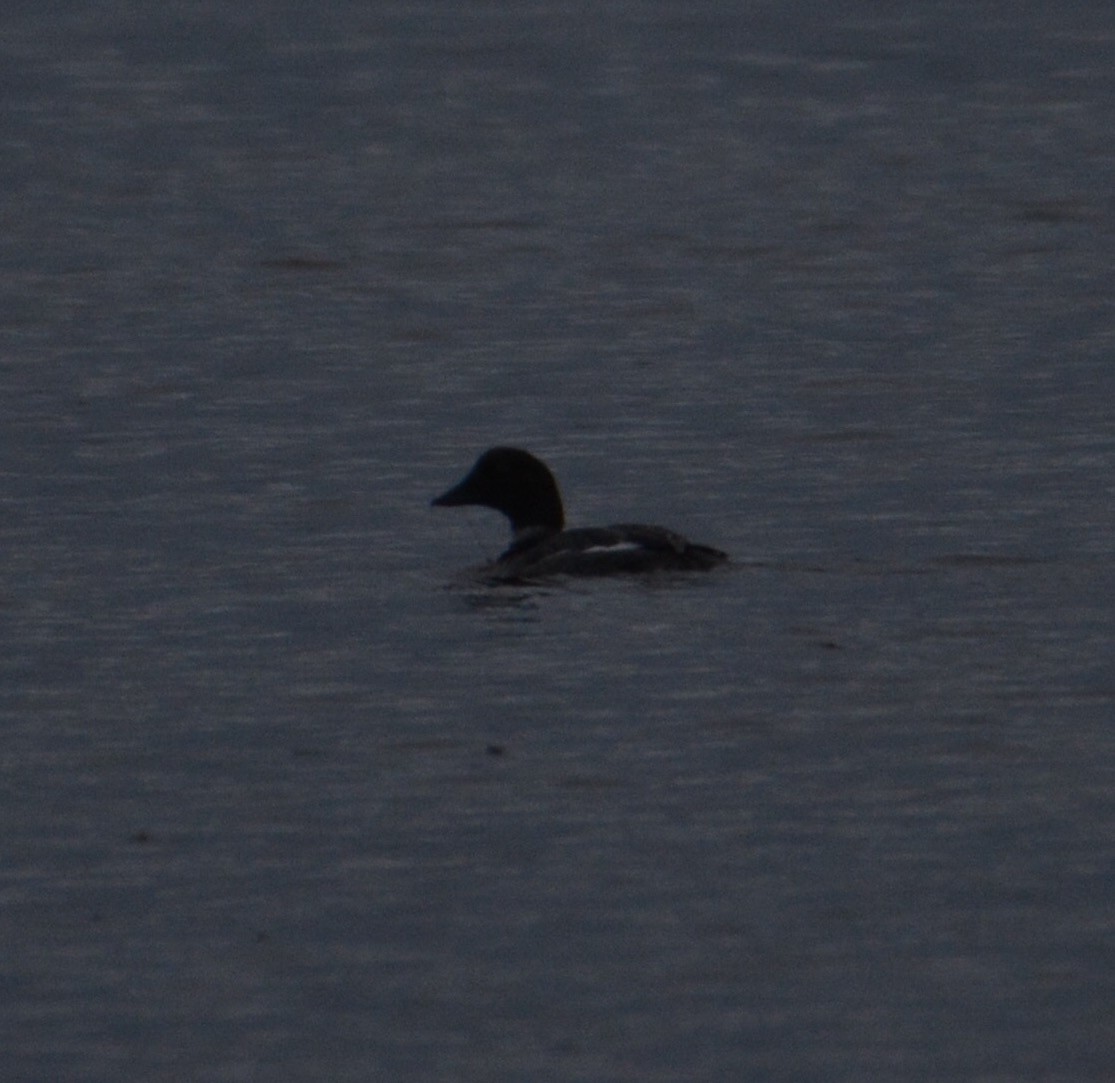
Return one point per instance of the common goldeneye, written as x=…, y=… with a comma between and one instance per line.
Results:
x=522, y=487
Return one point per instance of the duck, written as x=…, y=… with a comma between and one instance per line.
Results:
x=522, y=487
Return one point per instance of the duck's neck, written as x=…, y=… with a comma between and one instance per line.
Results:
x=526, y=537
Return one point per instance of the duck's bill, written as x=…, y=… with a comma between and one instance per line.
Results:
x=453, y=498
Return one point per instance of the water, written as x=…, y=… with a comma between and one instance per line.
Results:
x=285, y=798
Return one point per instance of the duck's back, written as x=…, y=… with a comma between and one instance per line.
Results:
x=625, y=547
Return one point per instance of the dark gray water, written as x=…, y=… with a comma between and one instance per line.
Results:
x=829, y=286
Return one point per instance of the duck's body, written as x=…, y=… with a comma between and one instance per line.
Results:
x=520, y=486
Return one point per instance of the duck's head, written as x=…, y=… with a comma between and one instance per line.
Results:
x=513, y=482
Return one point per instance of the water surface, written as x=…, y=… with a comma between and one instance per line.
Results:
x=285, y=797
